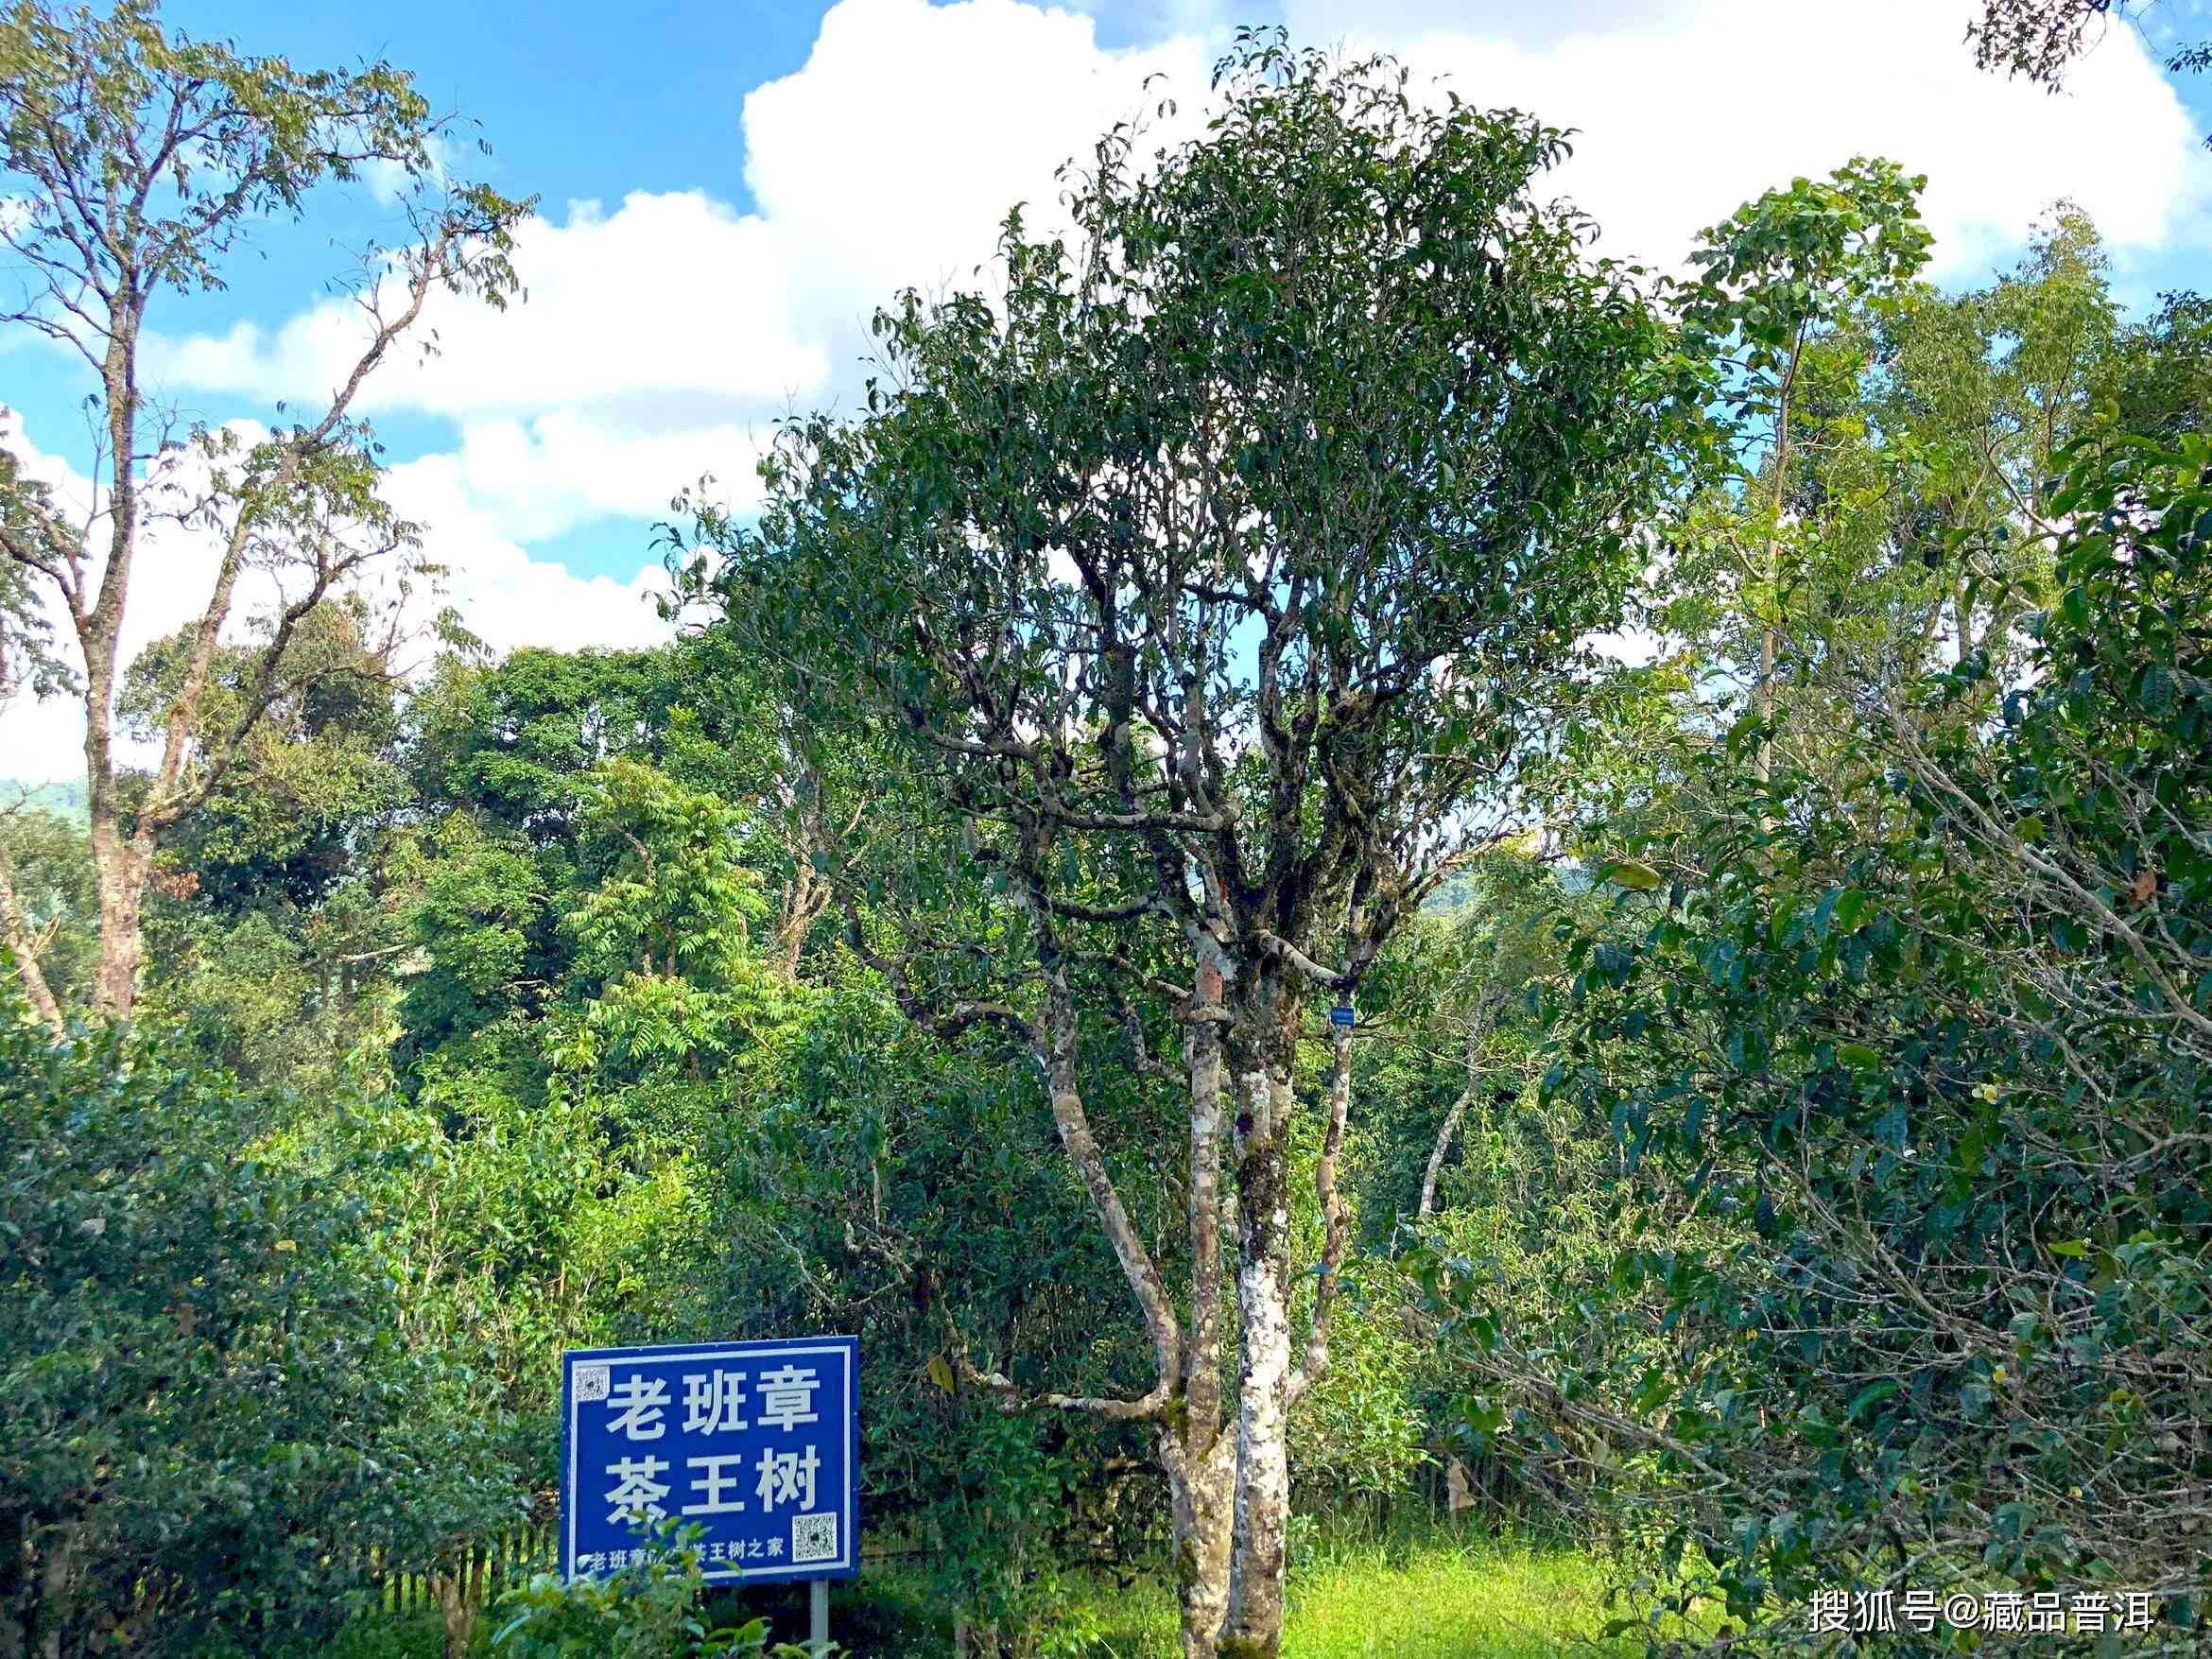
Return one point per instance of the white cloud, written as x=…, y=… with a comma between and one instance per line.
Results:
x=503, y=594
x=536, y=477
x=510, y=599
x=658, y=341
x=41, y=742
x=673, y=297
x=886, y=159
x=890, y=158
x=661, y=338
x=391, y=181
x=1687, y=108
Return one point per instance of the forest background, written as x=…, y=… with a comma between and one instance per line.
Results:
x=1735, y=734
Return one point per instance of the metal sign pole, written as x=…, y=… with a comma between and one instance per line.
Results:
x=818, y=1616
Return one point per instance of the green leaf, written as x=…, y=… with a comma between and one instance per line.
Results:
x=1634, y=875
x=1872, y=1395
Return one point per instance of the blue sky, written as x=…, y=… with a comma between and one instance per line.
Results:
x=725, y=191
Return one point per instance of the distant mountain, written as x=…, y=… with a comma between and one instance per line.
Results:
x=62, y=799
x=1457, y=889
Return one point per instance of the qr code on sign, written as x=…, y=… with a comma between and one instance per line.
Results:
x=814, y=1537
x=591, y=1384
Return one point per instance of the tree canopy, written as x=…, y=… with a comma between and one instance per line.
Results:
x=1335, y=870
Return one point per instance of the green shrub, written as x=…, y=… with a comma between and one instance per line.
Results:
x=648, y=1610
x=209, y=1413
x=1909, y=1074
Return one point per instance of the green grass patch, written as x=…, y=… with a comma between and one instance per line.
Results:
x=1458, y=1600
x=1430, y=1593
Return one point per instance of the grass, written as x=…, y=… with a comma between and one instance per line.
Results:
x=1461, y=1600
x=1426, y=1592
x=1433, y=1596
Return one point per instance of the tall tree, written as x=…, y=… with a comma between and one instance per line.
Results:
x=1781, y=281
x=2162, y=370
x=1220, y=575
x=136, y=162
x=1969, y=401
x=27, y=663
x=1899, y=520
x=1913, y=1088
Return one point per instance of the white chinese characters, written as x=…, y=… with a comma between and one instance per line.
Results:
x=743, y=1446
x=786, y=1477
x=714, y=1403
x=713, y=1485
x=2040, y=1611
x=636, y=1490
x=635, y=1408
x=786, y=1397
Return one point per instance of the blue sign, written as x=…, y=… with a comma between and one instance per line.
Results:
x=1341, y=1014
x=757, y=1443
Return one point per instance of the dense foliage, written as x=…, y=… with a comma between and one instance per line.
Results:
x=1736, y=746
x=1908, y=1067
x=210, y=1411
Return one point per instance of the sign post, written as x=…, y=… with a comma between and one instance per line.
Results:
x=757, y=1443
